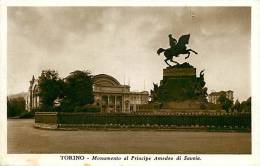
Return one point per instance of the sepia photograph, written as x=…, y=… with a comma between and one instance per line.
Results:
x=129, y=80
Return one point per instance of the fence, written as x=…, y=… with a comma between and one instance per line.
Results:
x=168, y=120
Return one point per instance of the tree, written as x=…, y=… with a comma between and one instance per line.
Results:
x=78, y=89
x=246, y=105
x=50, y=88
x=15, y=106
x=237, y=106
x=225, y=103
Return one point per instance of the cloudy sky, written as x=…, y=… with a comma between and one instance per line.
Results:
x=122, y=42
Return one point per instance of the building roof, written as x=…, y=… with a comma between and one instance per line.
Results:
x=105, y=80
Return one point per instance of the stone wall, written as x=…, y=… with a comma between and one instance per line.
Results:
x=46, y=117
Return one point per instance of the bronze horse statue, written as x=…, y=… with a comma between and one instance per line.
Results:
x=176, y=48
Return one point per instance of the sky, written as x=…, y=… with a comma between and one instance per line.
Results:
x=122, y=42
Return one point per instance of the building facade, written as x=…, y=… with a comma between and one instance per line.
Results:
x=109, y=95
x=33, y=99
x=214, y=96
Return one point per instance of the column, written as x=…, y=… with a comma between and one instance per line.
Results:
x=36, y=102
x=115, y=104
x=123, y=103
x=33, y=101
x=38, y=99
x=101, y=104
x=108, y=103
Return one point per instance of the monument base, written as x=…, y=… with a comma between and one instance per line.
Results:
x=180, y=88
x=183, y=105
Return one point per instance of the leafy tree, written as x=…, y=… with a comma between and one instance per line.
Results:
x=246, y=105
x=225, y=103
x=50, y=88
x=236, y=106
x=15, y=106
x=78, y=89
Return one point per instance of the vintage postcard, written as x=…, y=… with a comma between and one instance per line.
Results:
x=129, y=84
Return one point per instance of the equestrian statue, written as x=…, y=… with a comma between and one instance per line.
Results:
x=176, y=48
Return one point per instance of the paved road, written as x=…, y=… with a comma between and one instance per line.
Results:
x=24, y=138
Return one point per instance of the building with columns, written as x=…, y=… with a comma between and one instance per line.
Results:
x=109, y=95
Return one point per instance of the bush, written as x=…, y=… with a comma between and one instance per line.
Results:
x=225, y=103
x=26, y=115
x=65, y=106
x=87, y=108
x=15, y=106
x=37, y=110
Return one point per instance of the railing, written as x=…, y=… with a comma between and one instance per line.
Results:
x=168, y=120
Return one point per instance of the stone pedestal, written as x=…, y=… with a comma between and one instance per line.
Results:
x=179, y=86
x=179, y=72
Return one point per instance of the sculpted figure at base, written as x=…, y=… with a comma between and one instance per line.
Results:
x=176, y=48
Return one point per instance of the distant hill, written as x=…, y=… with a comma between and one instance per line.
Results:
x=22, y=94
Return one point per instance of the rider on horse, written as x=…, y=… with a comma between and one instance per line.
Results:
x=176, y=48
